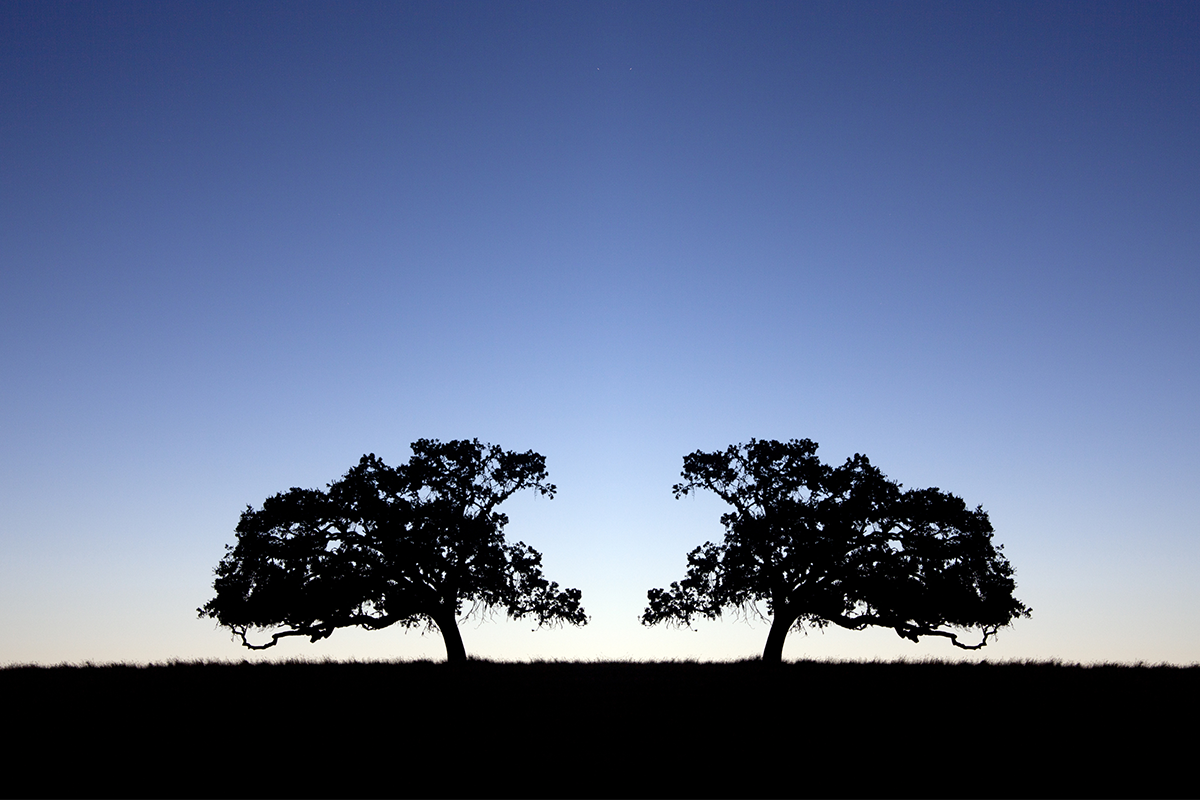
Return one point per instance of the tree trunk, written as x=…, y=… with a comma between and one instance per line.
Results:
x=780, y=625
x=448, y=625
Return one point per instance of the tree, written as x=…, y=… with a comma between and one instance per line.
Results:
x=384, y=546
x=841, y=545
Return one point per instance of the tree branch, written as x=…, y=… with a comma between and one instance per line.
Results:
x=316, y=634
x=906, y=631
x=953, y=637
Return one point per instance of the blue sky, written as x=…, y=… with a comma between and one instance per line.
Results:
x=243, y=244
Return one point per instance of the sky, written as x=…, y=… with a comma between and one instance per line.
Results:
x=242, y=244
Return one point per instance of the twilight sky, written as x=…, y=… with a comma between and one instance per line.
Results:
x=241, y=244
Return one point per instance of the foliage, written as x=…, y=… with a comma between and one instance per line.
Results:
x=842, y=545
x=383, y=546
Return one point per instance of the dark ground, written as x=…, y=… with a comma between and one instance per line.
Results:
x=602, y=729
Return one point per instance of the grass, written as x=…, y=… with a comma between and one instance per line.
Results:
x=602, y=728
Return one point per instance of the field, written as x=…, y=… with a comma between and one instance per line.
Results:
x=601, y=729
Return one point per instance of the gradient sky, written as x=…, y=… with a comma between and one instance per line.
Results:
x=241, y=244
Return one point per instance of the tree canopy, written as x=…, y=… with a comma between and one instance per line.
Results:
x=384, y=546
x=842, y=545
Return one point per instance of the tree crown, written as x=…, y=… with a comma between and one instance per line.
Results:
x=385, y=545
x=842, y=545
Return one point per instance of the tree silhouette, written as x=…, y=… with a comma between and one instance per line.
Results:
x=841, y=545
x=386, y=546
